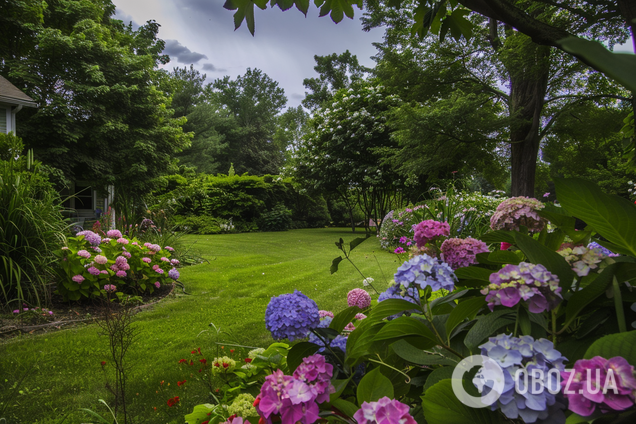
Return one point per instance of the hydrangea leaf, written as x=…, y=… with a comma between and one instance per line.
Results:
x=466, y=309
x=584, y=297
x=343, y=318
x=438, y=375
x=373, y=386
x=410, y=353
x=473, y=273
x=334, y=264
x=390, y=307
x=404, y=326
x=486, y=326
x=540, y=254
x=498, y=236
x=620, y=344
x=298, y=352
x=346, y=407
x=504, y=257
x=612, y=217
x=441, y=406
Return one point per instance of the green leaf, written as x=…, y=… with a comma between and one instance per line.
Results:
x=343, y=318
x=199, y=413
x=539, y=254
x=498, y=236
x=441, y=406
x=390, y=307
x=448, y=298
x=346, y=407
x=438, y=375
x=474, y=273
x=374, y=386
x=552, y=240
x=298, y=352
x=410, y=353
x=355, y=242
x=559, y=219
x=339, y=386
x=620, y=344
x=486, y=326
x=504, y=257
x=405, y=326
x=302, y=5
x=619, y=66
x=466, y=309
x=580, y=299
x=612, y=217
x=334, y=264
x=525, y=325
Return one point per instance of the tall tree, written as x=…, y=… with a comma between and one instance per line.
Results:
x=101, y=116
x=335, y=72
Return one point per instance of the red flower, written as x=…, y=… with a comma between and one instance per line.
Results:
x=203, y=361
x=199, y=350
x=193, y=352
x=181, y=361
x=257, y=401
x=231, y=350
x=205, y=422
x=103, y=363
x=191, y=362
x=216, y=364
x=181, y=383
x=248, y=360
x=173, y=401
x=225, y=365
x=200, y=370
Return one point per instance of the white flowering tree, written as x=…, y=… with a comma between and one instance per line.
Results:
x=346, y=147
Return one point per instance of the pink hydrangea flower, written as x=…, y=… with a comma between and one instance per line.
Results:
x=584, y=390
x=114, y=268
x=113, y=234
x=101, y=259
x=360, y=316
x=169, y=249
x=398, y=250
x=159, y=271
x=384, y=411
x=350, y=327
x=174, y=261
x=127, y=254
x=164, y=259
x=155, y=267
x=459, y=253
x=110, y=288
x=122, y=240
x=78, y=279
x=515, y=212
x=94, y=271
x=157, y=284
x=323, y=314
x=121, y=274
x=359, y=298
x=154, y=247
x=429, y=230
x=65, y=248
x=106, y=240
x=146, y=260
x=147, y=244
x=84, y=254
x=103, y=271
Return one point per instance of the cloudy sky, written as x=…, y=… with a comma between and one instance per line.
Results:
x=201, y=32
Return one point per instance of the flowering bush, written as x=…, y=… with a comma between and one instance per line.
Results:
x=90, y=265
x=515, y=212
x=460, y=253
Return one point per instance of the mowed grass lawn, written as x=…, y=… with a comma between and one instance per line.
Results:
x=63, y=368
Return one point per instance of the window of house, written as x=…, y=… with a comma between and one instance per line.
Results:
x=83, y=197
x=3, y=121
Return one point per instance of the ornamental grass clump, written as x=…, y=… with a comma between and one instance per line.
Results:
x=513, y=213
x=531, y=378
x=291, y=316
x=533, y=284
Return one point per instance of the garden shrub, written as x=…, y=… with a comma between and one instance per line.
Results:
x=31, y=226
x=90, y=265
x=278, y=219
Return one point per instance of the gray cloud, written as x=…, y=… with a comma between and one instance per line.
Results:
x=212, y=68
x=125, y=18
x=182, y=53
x=297, y=96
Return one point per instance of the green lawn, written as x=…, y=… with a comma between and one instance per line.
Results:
x=231, y=291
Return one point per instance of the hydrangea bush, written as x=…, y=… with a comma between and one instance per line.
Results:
x=91, y=265
x=553, y=333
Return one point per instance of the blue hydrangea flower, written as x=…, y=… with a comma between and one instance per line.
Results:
x=291, y=316
x=537, y=404
x=397, y=292
x=174, y=274
x=601, y=249
x=91, y=237
x=423, y=271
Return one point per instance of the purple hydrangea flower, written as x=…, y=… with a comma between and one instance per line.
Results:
x=157, y=284
x=584, y=389
x=291, y=316
x=121, y=274
x=146, y=260
x=110, y=288
x=84, y=254
x=174, y=261
x=91, y=237
x=94, y=271
x=122, y=263
x=459, y=253
x=113, y=234
x=423, y=271
x=605, y=251
x=531, y=283
x=169, y=249
x=526, y=360
x=78, y=279
x=174, y=274
x=384, y=411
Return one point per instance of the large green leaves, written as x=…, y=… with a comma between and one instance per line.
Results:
x=403, y=327
x=441, y=406
x=410, y=353
x=466, y=309
x=611, y=216
x=486, y=326
x=374, y=386
x=584, y=297
x=621, y=344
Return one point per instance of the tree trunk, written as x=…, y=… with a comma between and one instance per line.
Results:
x=528, y=65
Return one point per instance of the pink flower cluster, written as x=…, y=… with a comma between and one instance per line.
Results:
x=113, y=234
x=359, y=298
x=295, y=398
x=515, y=212
x=459, y=253
x=110, y=288
x=101, y=259
x=323, y=314
x=78, y=278
x=429, y=230
x=384, y=411
x=84, y=254
x=606, y=383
